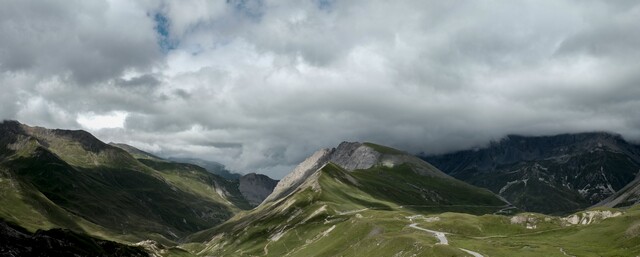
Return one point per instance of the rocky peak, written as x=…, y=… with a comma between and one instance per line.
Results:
x=300, y=174
x=256, y=187
x=353, y=155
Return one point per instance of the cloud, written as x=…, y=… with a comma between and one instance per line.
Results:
x=259, y=85
x=83, y=41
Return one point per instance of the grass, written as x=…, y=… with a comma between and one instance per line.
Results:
x=135, y=204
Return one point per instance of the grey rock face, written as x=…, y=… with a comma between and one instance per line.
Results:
x=627, y=196
x=256, y=187
x=300, y=174
x=353, y=156
x=349, y=156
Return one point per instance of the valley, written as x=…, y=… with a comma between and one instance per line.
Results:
x=358, y=199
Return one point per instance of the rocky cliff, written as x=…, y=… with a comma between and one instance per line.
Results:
x=256, y=187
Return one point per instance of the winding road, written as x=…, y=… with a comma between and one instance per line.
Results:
x=442, y=237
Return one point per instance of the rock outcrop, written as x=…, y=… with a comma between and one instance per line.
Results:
x=300, y=174
x=350, y=156
x=256, y=187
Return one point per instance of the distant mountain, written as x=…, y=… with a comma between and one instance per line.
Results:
x=627, y=196
x=548, y=174
x=210, y=166
x=69, y=179
x=332, y=185
x=247, y=191
x=135, y=152
x=256, y=187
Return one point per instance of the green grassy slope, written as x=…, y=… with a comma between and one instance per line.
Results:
x=69, y=179
x=384, y=211
x=365, y=206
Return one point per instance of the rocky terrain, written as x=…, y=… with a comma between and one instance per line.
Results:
x=256, y=187
x=549, y=174
x=67, y=193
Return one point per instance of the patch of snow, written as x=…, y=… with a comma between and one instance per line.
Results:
x=511, y=183
x=172, y=234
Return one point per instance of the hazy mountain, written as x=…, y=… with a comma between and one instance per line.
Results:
x=548, y=174
x=246, y=191
x=61, y=178
x=210, y=166
x=135, y=152
x=256, y=187
x=627, y=196
x=358, y=199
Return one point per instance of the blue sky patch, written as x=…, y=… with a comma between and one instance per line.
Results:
x=165, y=41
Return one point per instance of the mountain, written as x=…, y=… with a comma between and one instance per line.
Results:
x=247, y=191
x=256, y=187
x=547, y=174
x=332, y=192
x=51, y=178
x=627, y=196
x=16, y=241
x=213, y=167
x=135, y=152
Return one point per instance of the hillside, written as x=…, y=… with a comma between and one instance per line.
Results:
x=17, y=241
x=627, y=196
x=210, y=166
x=549, y=174
x=327, y=193
x=70, y=179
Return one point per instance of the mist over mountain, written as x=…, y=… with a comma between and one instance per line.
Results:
x=549, y=174
x=66, y=192
x=259, y=85
x=315, y=128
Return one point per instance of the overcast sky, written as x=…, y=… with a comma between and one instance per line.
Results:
x=258, y=85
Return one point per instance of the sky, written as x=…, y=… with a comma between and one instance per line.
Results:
x=259, y=85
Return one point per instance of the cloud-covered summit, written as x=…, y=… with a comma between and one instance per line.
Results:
x=259, y=85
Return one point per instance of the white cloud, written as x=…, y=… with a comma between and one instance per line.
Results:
x=93, y=121
x=260, y=84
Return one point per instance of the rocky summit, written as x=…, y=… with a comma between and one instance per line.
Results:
x=256, y=187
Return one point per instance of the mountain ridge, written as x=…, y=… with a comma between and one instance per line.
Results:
x=574, y=170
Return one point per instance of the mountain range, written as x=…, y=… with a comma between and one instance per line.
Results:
x=70, y=179
x=67, y=193
x=575, y=171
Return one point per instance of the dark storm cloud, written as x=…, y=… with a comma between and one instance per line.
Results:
x=260, y=85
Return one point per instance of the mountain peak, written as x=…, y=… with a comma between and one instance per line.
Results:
x=354, y=155
x=350, y=156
